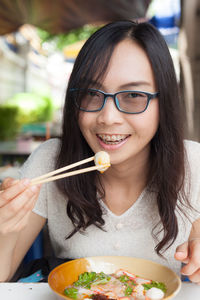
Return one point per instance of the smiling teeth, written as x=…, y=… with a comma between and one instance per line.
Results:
x=112, y=139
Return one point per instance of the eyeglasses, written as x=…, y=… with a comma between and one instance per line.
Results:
x=129, y=102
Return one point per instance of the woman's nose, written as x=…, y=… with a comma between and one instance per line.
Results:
x=109, y=113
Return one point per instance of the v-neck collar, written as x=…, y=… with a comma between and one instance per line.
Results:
x=128, y=211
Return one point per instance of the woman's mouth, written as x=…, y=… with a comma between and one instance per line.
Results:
x=112, y=139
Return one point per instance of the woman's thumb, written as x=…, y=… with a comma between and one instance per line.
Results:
x=181, y=253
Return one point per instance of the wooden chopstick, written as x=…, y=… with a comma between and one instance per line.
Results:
x=52, y=178
x=84, y=161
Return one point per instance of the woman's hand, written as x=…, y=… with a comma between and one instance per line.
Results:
x=189, y=254
x=17, y=199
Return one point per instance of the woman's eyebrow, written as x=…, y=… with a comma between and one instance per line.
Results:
x=134, y=84
x=129, y=85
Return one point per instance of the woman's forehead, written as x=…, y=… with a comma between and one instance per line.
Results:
x=129, y=66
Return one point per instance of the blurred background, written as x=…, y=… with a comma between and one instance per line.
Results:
x=39, y=42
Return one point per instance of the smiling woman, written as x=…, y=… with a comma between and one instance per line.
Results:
x=130, y=116
x=122, y=98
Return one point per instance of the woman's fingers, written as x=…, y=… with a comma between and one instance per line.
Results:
x=19, y=221
x=192, y=268
x=189, y=253
x=10, y=188
x=6, y=183
x=13, y=191
x=12, y=207
x=195, y=277
x=181, y=253
x=17, y=199
x=23, y=221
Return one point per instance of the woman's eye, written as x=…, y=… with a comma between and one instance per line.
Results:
x=92, y=93
x=133, y=95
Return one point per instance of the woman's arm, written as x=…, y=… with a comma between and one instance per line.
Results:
x=18, y=225
x=25, y=240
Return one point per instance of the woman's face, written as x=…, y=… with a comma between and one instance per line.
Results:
x=126, y=137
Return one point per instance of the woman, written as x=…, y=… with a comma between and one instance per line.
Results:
x=122, y=98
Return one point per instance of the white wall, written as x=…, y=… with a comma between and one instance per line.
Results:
x=11, y=73
x=19, y=74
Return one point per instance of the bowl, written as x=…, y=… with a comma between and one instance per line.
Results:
x=65, y=274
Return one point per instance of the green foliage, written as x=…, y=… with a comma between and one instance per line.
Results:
x=64, y=39
x=23, y=108
x=32, y=107
x=9, y=124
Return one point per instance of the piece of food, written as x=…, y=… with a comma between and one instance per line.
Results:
x=121, y=285
x=155, y=293
x=102, y=159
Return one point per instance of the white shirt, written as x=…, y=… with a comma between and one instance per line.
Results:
x=129, y=234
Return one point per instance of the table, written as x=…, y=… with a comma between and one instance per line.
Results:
x=42, y=291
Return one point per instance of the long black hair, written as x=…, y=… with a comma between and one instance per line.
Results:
x=167, y=149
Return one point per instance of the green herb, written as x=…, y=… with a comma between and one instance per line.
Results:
x=159, y=285
x=101, y=281
x=124, y=278
x=128, y=291
x=87, y=278
x=102, y=275
x=71, y=292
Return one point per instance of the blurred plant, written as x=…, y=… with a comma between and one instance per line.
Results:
x=32, y=107
x=23, y=108
x=9, y=124
x=64, y=39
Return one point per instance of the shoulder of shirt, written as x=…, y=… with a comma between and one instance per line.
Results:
x=48, y=150
x=51, y=144
x=192, y=147
x=42, y=159
x=192, y=150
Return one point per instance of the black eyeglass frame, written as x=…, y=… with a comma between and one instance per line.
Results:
x=150, y=96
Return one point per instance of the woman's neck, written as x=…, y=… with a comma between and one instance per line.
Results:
x=129, y=172
x=123, y=184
